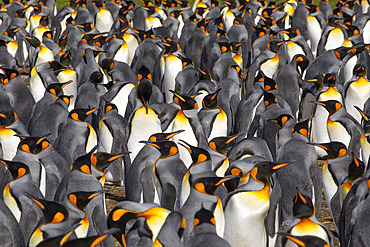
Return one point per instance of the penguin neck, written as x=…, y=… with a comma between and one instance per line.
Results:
x=254, y=185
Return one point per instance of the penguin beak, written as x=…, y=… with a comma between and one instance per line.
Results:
x=4, y=163
x=173, y=134
x=277, y=167
x=227, y=178
x=116, y=157
x=151, y=144
x=91, y=111
x=319, y=103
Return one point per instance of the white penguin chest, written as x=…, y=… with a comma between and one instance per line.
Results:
x=270, y=66
x=37, y=87
x=335, y=39
x=293, y=49
x=307, y=227
x=103, y=21
x=337, y=132
x=330, y=188
x=9, y=143
x=71, y=88
x=11, y=203
x=121, y=99
x=106, y=137
x=219, y=126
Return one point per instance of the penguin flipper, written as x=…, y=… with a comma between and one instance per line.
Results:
x=274, y=200
x=254, y=126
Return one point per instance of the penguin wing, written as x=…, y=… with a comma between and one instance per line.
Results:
x=167, y=115
x=198, y=132
x=322, y=42
x=274, y=200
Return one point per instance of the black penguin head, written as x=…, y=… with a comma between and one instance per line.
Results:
x=110, y=107
x=170, y=45
x=332, y=106
x=96, y=77
x=101, y=160
x=302, y=206
x=62, y=41
x=80, y=114
x=224, y=47
x=282, y=119
x=80, y=199
x=202, y=24
x=65, y=59
x=198, y=155
x=87, y=27
x=312, y=8
x=359, y=70
x=144, y=92
x=210, y=100
x=352, y=30
x=56, y=88
x=157, y=137
x=10, y=73
x=55, y=66
x=302, y=128
x=235, y=46
x=167, y=148
x=17, y=169
x=274, y=45
x=259, y=31
x=35, y=42
x=219, y=23
x=204, y=216
x=64, y=99
x=7, y=117
x=144, y=73
x=107, y=64
x=54, y=212
x=118, y=218
x=44, y=21
x=329, y=80
x=269, y=84
x=20, y=13
x=33, y=145
x=186, y=61
x=342, y=51
x=355, y=169
x=269, y=99
x=222, y=143
x=148, y=34
x=4, y=79
x=204, y=76
x=208, y=185
x=365, y=119
x=83, y=163
x=262, y=171
x=186, y=102
x=11, y=32
x=333, y=149
x=291, y=32
x=301, y=62
x=267, y=21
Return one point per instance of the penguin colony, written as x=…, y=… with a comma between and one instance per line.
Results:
x=151, y=97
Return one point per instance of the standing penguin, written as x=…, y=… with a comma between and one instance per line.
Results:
x=168, y=171
x=357, y=91
x=205, y=230
x=252, y=207
x=144, y=121
x=304, y=210
x=77, y=137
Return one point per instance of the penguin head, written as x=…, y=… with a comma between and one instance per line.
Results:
x=204, y=76
x=222, y=143
x=302, y=128
x=302, y=206
x=365, y=119
x=210, y=100
x=170, y=45
x=83, y=163
x=21, y=13
x=107, y=64
x=7, y=118
x=329, y=80
x=65, y=59
x=11, y=32
x=301, y=62
x=269, y=99
x=33, y=145
x=198, y=155
x=96, y=78
x=332, y=106
x=333, y=149
x=305, y=241
x=259, y=31
x=55, y=66
x=148, y=35
x=342, y=52
x=224, y=47
x=208, y=185
x=186, y=61
x=80, y=114
x=204, y=216
x=291, y=32
x=186, y=102
x=4, y=79
x=144, y=92
x=17, y=169
x=35, y=42
x=167, y=148
x=237, y=69
x=87, y=27
x=62, y=41
x=219, y=23
x=269, y=84
x=64, y=100
x=359, y=70
x=235, y=46
x=263, y=170
x=267, y=21
x=282, y=119
x=202, y=24
x=44, y=21
x=101, y=160
x=110, y=107
x=352, y=30
x=48, y=35
x=157, y=137
x=10, y=73
x=54, y=212
x=80, y=199
x=144, y=73
x=274, y=45
x=118, y=218
x=355, y=169
x=56, y=88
